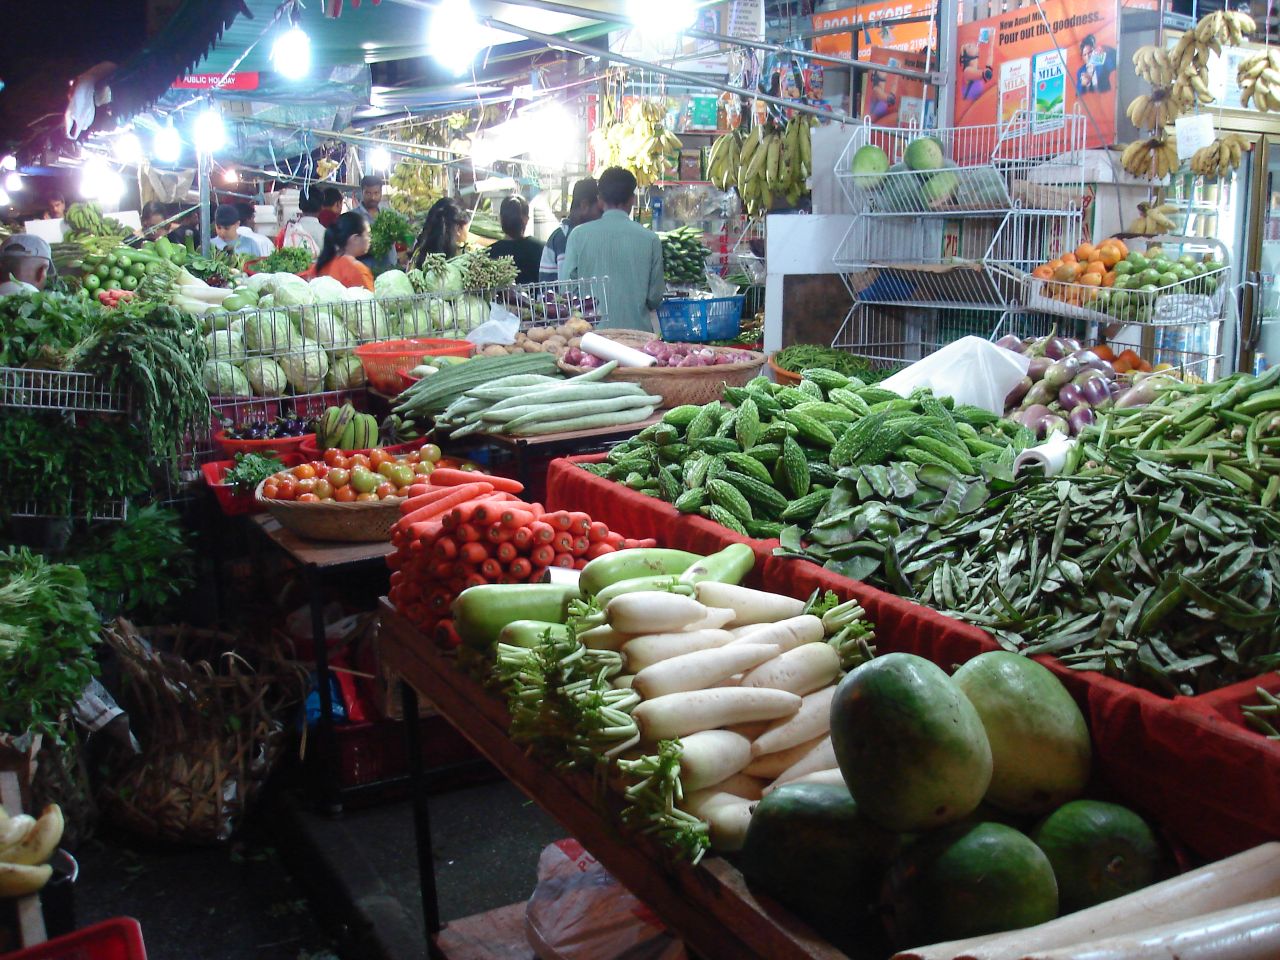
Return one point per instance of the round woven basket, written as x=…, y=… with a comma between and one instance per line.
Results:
x=679, y=385
x=782, y=375
x=329, y=520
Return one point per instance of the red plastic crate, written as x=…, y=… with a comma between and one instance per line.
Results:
x=383, y=362
x=116, y=939
x=237, y=504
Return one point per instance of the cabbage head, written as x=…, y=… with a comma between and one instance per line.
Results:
x=392, y=283
x=327, y=290
x=305, y=365
x=297, y=294
x=325, y=327
x=225, y=345
x=224, y=379
x=469, y=312
x=364, y=317
x=269, y=331
x=432, y=317
x=447, y=281
x=265, y=376
x=266, y=301
x=345, y=373
x=260, y=283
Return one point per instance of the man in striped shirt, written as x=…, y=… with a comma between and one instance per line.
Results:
x=583, y=208
x=619, y=249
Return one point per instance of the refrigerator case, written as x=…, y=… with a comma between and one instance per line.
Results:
x=1260, y=326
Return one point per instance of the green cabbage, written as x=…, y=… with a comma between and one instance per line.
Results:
x=327, y=290
x=260, y=283
x=294, y=294
x=265, y=376
x=225, y=345
x=224, y=379
x=427, y=318
x=345, y=373
x=392, y=283
x=305, y=365
x=321, y=325
x=269, y=331
x=469, y=312
x=447, y=281
x=364, y=317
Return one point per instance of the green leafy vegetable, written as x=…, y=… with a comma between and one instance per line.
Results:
x=389, y=228
x=138, y=568
x=284, y=260
x=250, y=470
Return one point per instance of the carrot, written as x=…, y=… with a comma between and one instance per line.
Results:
x=418, y=489
x=579, y=523
x=537, y=573
x=558, y=520
x=448, y=477
x=543, y=555
x=580, y=546
x=614, y=540
x=418, y=546
x=580, y=563
x=522, y=538
x=597, y=532
x=564, y=560
x=508, y=578
x=506, y=552
x=456, y=585
x=639, y=544
x=446, y=636
x=446, y=548
x=439, y=599
x=468, y=533
x=520, y=568
x=435, y=508
x=542, y=531
x=395, y=561
x=473, y=553
x=599, y=550
x=563, y=542
x=434, y=495
x=474, y=580
x=536, y=510
x=396, y=578
x=514, y=518
x=497, y=534
x=442, y=571
x=490, y=569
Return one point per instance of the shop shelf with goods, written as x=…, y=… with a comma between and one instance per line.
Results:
x=948, y=220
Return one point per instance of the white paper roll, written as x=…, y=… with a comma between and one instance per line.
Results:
x=607, y=349
x=1050, y=456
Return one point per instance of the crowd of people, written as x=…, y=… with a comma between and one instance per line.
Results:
x=597, y=239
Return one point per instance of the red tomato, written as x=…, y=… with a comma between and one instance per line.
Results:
x=430, y=452
x=385, y=468
x=422, y=468
x=304, y=471
x=366, y=497
x=358, y=460
x=346, y=494
x=322, y=470
x=338, y=476
x=413, y=456
x=323, y=489
x=332, y=456
x=377, y=457
x=271, y=490
x=384, y=490
x=288, y=489
x=308, y=498
x=306, y=485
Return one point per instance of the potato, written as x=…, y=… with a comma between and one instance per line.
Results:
x=564, y=331
x=539, y=334
x=494, y=350
x=575, y=342
x=578, y=326
x=558, y=340
x=532, y=347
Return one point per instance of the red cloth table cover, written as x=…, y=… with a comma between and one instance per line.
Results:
x=1213, y=784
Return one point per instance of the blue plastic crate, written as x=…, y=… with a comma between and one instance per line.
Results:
x=697, y=321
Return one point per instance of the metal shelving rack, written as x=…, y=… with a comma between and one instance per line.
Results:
x=931, y=255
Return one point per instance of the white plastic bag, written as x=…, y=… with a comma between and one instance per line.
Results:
x=579, y=912
x=500, y=328
x=971, y=370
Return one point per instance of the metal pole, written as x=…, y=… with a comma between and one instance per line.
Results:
x=204, y=169
x=689, y=78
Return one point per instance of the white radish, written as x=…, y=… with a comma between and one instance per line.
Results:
x=740, y=632
x=734, y=681
x=653, y=611
x=700, y=669
x=813, y=719
x=644, y=651
x=741, y=785
x=1241, y=879
x=702, y=802
x=680, y=714
x=821, y=757
x=624, y=681
x=771, y=765
x=710, y=757
x=1247, y=932
x=714, y=620
x=832, y=777
x=799, y=671
x=788, y=634
x=753, y=729
x=728, y=823
x=604, y=638
x=748, y=606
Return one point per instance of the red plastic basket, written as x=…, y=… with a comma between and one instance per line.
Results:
x=116, y=939
x=278, y=446
x=406, y=381
x=383, y=362
x=238, y=504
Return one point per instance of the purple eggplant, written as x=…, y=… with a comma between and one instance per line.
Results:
x=1079, y=418
x=1010, y=342
x=1061, y=372
x=1017, y=393
x=1070, y=396
x=1032, y=415
x=1040, y=393
x=1095, y=391
x=1055, y=348
x=1050, y=424
x=1038, y=366
x=1072, y=344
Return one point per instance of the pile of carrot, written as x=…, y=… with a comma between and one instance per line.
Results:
x=461, y=529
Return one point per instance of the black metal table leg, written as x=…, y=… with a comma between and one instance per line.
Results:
x=329, y=792
x=421, y=819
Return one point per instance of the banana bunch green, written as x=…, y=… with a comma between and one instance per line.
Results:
x=765, y=163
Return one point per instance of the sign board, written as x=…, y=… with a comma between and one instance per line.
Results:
x=1193, y=133
x=868, y=18
x=894, y=101
x=209, y=81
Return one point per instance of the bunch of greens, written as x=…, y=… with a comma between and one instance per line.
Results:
x=482, y=272
x=47, y=631
x=389, y=228
x=136, y=569
x=218, y=269
x=284, y=260
x=811, y=356
x=250, y=470
x=36, y=330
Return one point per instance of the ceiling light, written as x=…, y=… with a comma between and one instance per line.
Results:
x=455, y=36
x=291, y=53
x=128, y=148
x=13, y=182
x=662, y=17
x=209, y=133
x=167, y=145
x=98, y=181
x=229, y=175
x=378, y=158
x=10, y=162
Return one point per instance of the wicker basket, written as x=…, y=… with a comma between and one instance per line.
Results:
x=211, y=723
x=679, y=385
x=329, y=520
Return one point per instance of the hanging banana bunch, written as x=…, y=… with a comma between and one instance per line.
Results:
x=639, y=142
x=1220, y=157
x=1259, y=79
x=1154, y=110
x=1154, y=65
x=1153, y=220
x=1153, y=159
x=1190, y=59
x=723, y=160
x=767, y=162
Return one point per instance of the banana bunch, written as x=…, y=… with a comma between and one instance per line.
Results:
x=395, y=430
x=95, y=233
x=1154, y=159
x=1153, y=220
x=724, y=160
x=1154, y=65
x=1190, y=58
x=26, y=844
x=344, y=428
x=1220, y=157
x=773, y=162
x=1154, y=110
x=1259, y=79
x=640, y=143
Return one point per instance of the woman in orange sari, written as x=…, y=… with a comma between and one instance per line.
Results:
x=347, y=239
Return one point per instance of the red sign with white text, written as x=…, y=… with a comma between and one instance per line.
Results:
x=209, y=81
x=875, y=22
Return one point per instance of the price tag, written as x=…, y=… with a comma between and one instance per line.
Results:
x=1193, y=133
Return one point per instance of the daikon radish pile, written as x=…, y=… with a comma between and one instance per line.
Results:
x=640, y=653
x=821, y=757
x=680, y=714
x=700, y=669
x=748, y=606
x=787, y=634
x=773, y=765
x=803, y=670
x=812, y=720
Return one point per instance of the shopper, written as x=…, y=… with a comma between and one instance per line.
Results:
x=25, y=260
x=444, y=232
x=525, y=251
x=305, y=230
x=154, y=215
x=262, y=244
x=55, y=206
x=370, y=207
x=344, y=243
x=330, y=206
x=583, y=208
x=226, y=227
x=617, y=248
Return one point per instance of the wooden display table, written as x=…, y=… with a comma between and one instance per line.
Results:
x=709, y=906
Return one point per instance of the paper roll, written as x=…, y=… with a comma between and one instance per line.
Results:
x=1050, y=456
x=607, y=349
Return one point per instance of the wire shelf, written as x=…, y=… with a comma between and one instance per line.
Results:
x=892, y=337
x=71, y=510
x=1027, y=163
x=59, y=390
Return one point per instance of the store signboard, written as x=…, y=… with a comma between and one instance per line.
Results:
x=743, y=19
x=872, y=19
x=208, y=81
x=1053, y=58
x=894, y=101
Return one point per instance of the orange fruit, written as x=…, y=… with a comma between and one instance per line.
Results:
x=1124, y=247
x=1070, y=258
x=1054, y=264
x=1086, y=252
x=1043, y=273
x=1109, y=253
x=1095, y=266
x=1091, y=279
x=1108, y=279
x=1067, y=273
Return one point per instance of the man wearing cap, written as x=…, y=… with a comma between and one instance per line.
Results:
x=24, y=264
x=226, y=224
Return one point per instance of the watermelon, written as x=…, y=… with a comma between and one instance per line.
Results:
x=923, y=153
x=869, y=166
